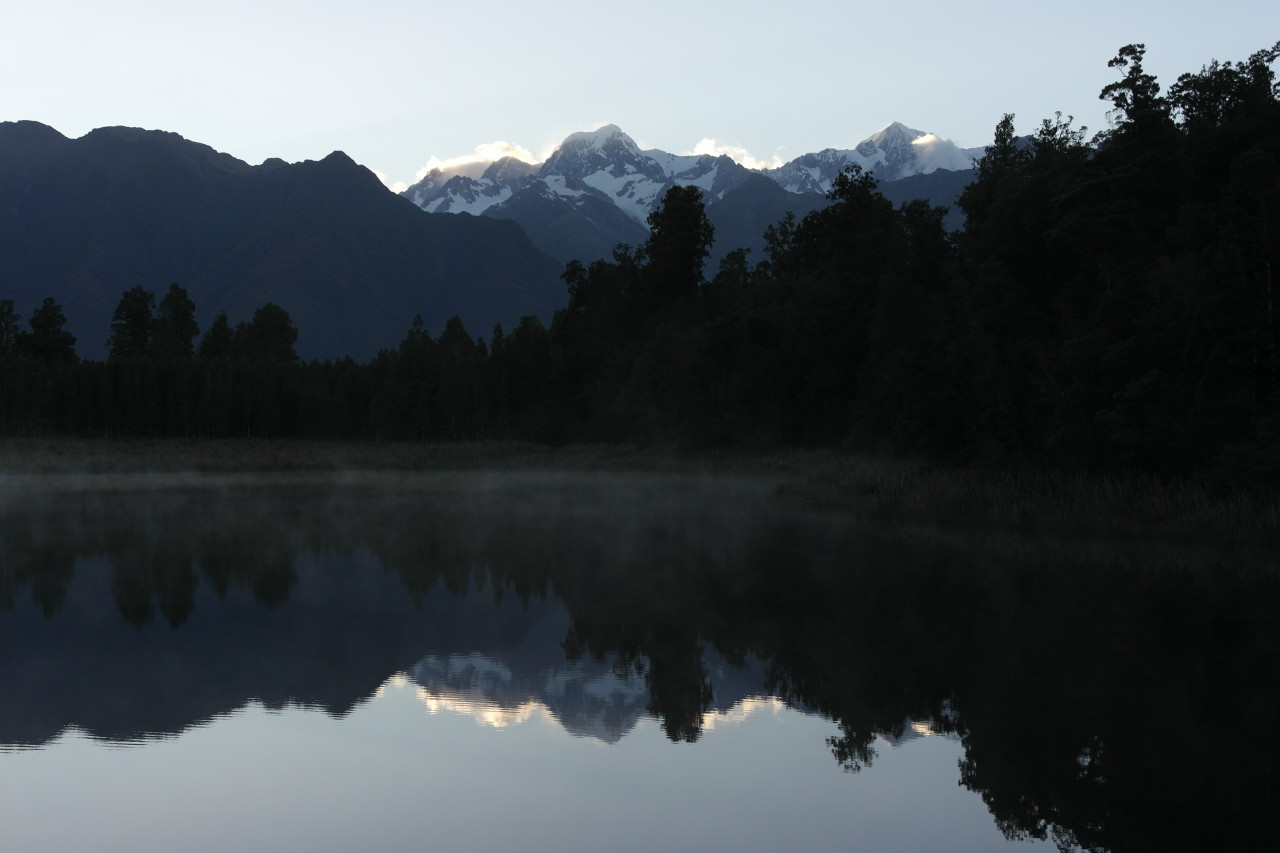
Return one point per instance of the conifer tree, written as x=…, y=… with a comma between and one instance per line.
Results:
x=132, y=326
x=215, y=345
x=48, y=341
x=10, y=328
x=679, y=241
x=268, y=337
x=175, y=326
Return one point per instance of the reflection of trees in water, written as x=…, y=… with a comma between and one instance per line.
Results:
x=1146, y=715
x=43, y=565
x=158, y=546
x=46, y=573
x=1100, y=702
x=1105, y=708
x=253, y=557
x=151, y=568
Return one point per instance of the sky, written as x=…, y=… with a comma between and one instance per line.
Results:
x=398, y=85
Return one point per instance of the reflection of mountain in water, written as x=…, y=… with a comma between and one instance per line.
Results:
x=139, y=613
x=590, y=698
x=604, y=598
x=345, y=627
x=908, y=729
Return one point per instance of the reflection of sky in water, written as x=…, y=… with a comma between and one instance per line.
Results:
x=393, y=776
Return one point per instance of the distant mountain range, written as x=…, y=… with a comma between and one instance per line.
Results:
x=597, y=189
x=84, y=220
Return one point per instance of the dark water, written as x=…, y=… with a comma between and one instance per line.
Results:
x=608, y=662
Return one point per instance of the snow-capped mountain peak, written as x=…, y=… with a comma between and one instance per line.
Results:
x=605, y=150
x=603, y=181
x=894, y=136
x=601, y=138
x=609, y=162
x=895, y=152
x=508, y=169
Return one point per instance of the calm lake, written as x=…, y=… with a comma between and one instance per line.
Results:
x=581, y=661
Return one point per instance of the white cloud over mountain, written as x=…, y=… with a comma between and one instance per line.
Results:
x=473, y=165
x=737, y=153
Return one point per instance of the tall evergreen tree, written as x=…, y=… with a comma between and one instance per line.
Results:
x=679, y=241
x=10, y=328
x=460, y=372
x=132, y=325
x=268, y=337
x=215, y=345
x=175, y=326
x=48, y=341
x=405, y=404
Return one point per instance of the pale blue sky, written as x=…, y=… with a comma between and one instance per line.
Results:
x=394, y=83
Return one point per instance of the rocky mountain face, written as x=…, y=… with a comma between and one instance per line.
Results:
x=84, y=220
x=597, y=189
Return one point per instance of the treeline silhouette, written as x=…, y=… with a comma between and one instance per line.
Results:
x=1110, y=302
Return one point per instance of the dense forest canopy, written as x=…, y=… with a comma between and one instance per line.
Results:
x=1109, y=302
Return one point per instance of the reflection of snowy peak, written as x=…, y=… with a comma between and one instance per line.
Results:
x=586, y=697
x=589, y=698
x=892, y=154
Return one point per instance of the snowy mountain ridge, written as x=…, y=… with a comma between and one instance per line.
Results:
x=604, y=164
x=596, y=190
x=894, y=153
x=607, y=165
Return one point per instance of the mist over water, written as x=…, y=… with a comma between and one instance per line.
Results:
x=482, y=625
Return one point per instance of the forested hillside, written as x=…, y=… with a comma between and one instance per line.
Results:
x=1109, y=303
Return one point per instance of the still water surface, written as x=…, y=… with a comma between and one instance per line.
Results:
x=599, y=662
